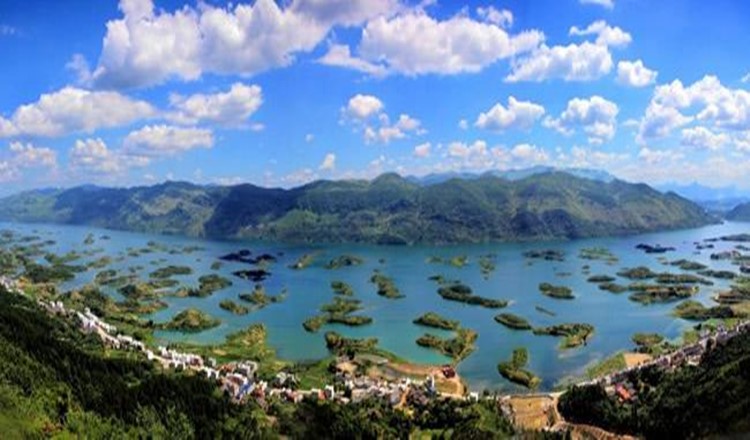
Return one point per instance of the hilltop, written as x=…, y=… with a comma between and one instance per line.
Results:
x=388, y=209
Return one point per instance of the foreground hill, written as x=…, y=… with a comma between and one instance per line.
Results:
x=388, y=209
x=740, y=213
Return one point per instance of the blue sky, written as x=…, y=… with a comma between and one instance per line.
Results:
x=280, y=93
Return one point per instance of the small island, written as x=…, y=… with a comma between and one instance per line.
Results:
x=342, y=288
x=344, y=261
x=512, y=321
x=260, y=298
x=558, y=292
x=338, y=312
x=545, y=254
x=169, y=271
x=650, y=293
x=573, y=335
x=458, y=348
x=695, y=311
x=386, y=287
x=431, y=319
x=191, y=321
x=514, y=370
x=463, y=293
x=233, y=307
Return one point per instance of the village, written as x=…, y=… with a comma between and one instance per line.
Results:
x=239, y=379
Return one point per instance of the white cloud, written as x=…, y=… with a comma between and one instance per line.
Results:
x=339, y=55
x=232, y=107
x=596, y=115
x=502, y=18
x=606, y=35
x=746, y=78
x=635, y=74
x=148, y=46
x=529, y=153
x=518, y=115
x=464, y=150
x=708, y=101
x=22, y=156
x=93, y=155
x=309, y=137
x=27, y=155
x=609, y=4
x=659, y=156
x=388, y=132
x=581, y=157
x=166, y=140
x=701, y=137
x=329, y=162
x=463, y=124
x=422, y=150
x=584, y=62
x=363, y=106
x=72, y=110
x=8, y=172
x=414, y=44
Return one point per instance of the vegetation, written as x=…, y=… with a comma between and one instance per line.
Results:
x=559, y=292
x=386, y=286
x=514, y=370
x=545, y=254
x=338, y=312
x=349, y=346
x=613, y=287
x=432, y=319
x=458, y=348
x=259, y=298
x=688, y=265
x=342, y=288
x=344, y=261
x=208, y=284
x=650, y=293
x=710, y=400
x=303, y=261
x=513, y=321
x=463, y=293
x=233, y=307
x=598, y=253
x=600, y=279
x=191, y=320
x=388, y=209
x=169, y=271
x=573, y=335
x=607, y=366
x=695, y=311
x=58, y=382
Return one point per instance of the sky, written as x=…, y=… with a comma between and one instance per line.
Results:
x=281, y=93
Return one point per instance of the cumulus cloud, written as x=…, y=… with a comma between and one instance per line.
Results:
x=147, y=46
x=518, y=114
x=606, y=35
x=72, y=110
x=609, y=4
x=363, y=106
x=155, y=140
x=329, y=162
x=674, y=105
x=596, y=115
x=500, y=17
x=28, y=155
x=574, y=62
x=339, y=55
x=93, y=155
x=366, y=111
x=25, y=155
x=232, y=108
x=701, y=137
x=529, y=153
x=463, y=150
x=635, y=74
x=423, y=150
x=413, y=43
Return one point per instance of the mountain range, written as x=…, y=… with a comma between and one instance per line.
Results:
x=388, y=209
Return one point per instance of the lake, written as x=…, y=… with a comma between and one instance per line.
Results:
x=515, y=279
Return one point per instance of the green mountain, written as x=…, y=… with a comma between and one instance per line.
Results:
x=388, y=209
x=740, y=213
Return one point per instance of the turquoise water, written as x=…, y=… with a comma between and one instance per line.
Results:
x=614, y=316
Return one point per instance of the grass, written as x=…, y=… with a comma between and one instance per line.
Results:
x=607, y=366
